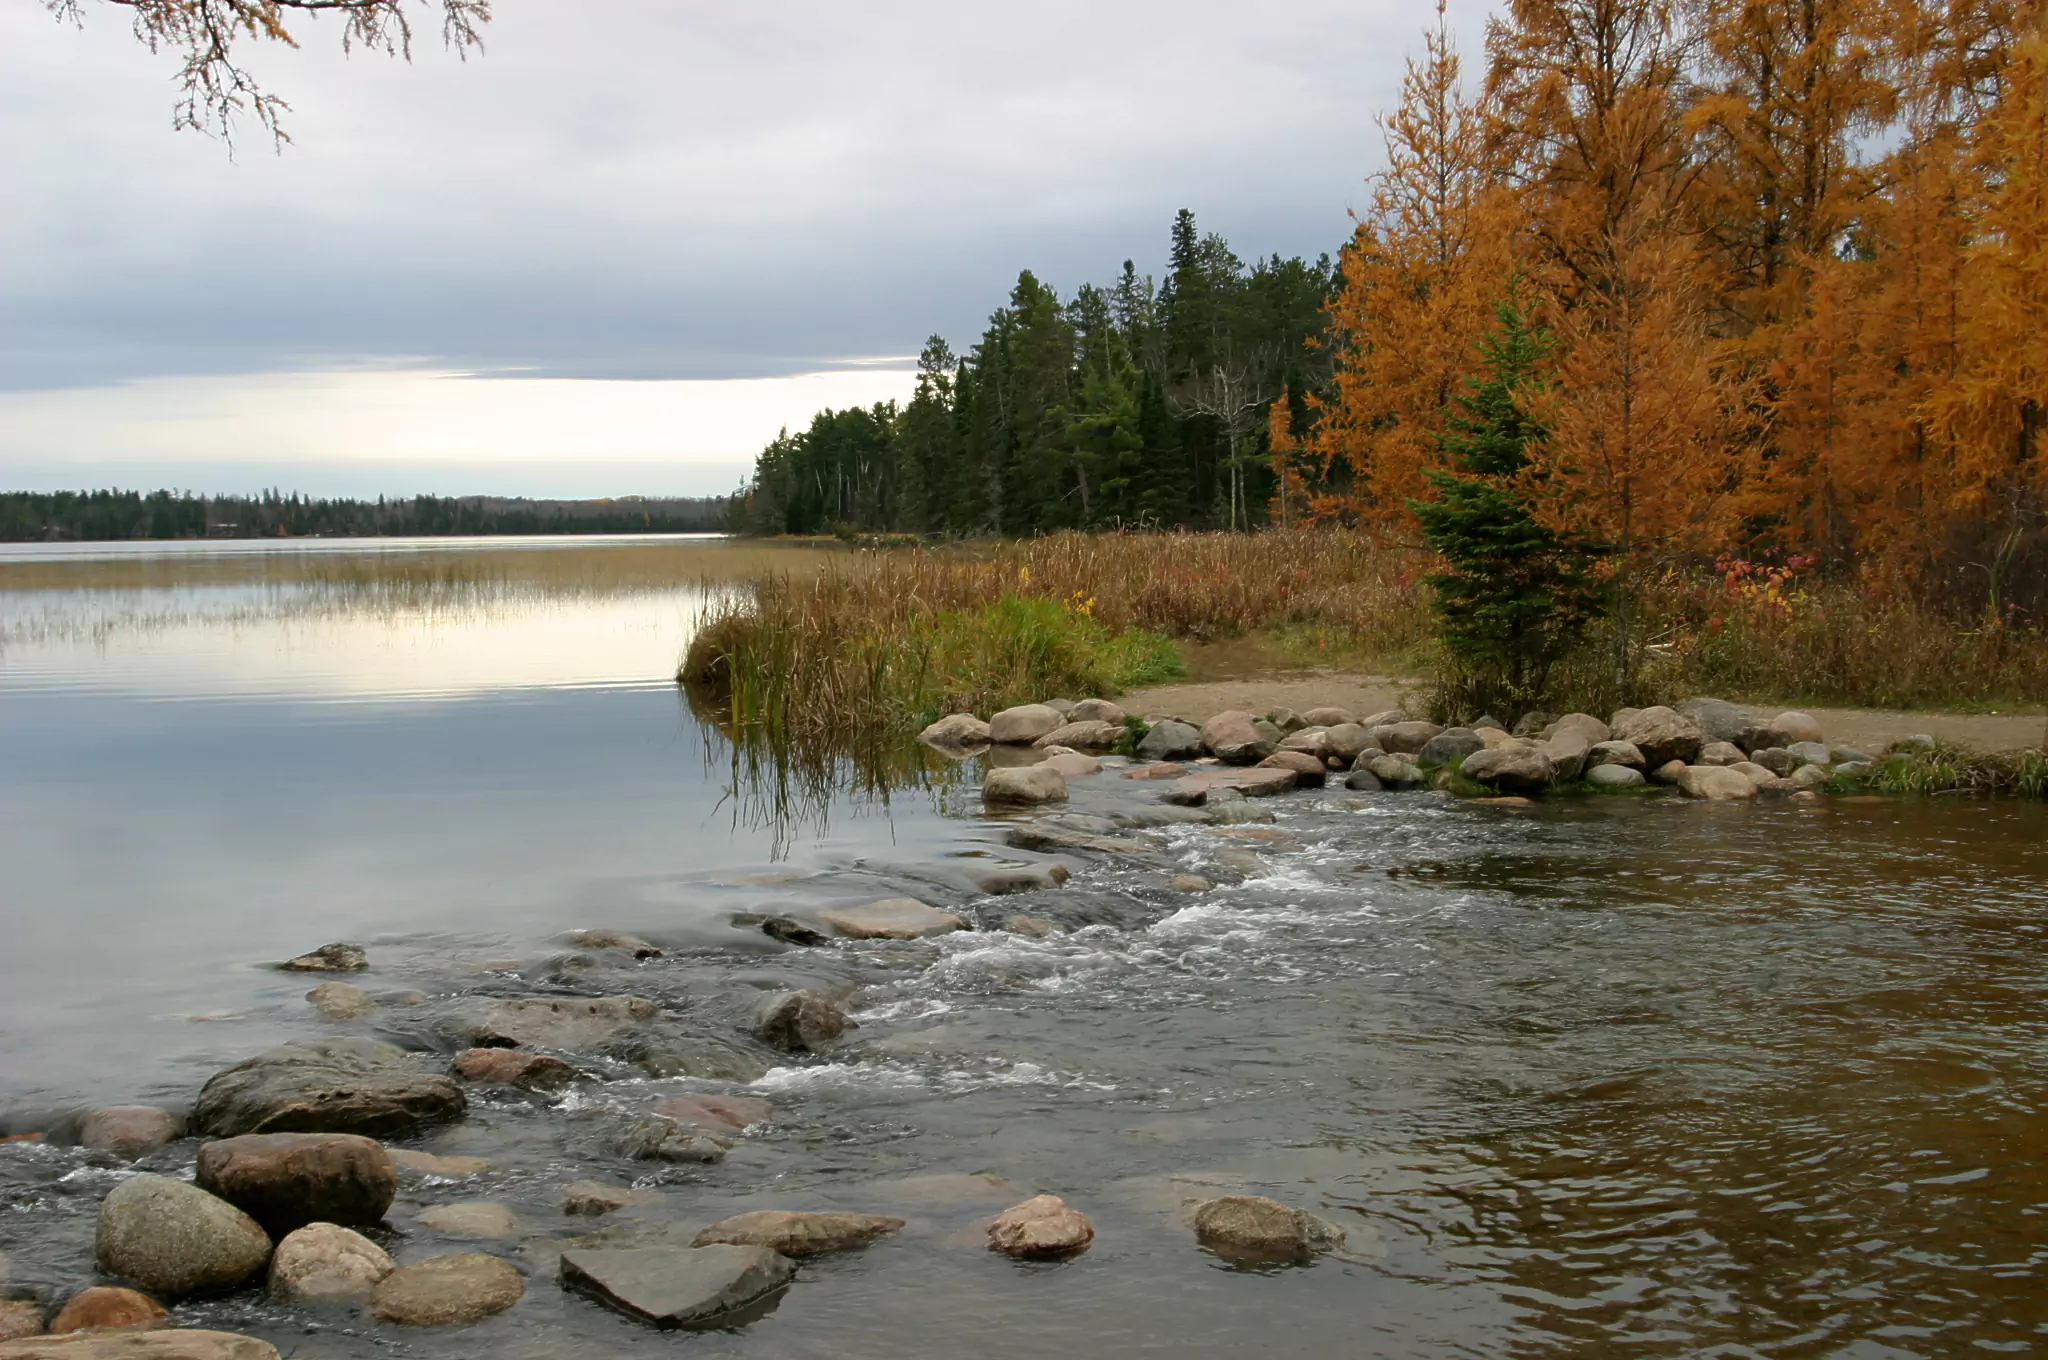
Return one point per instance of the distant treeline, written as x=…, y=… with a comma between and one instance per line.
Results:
x=1133, y=403
x=27, y=516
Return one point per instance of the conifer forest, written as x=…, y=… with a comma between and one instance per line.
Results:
x=1787, y=262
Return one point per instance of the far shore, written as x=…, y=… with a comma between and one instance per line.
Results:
x=1202, y=697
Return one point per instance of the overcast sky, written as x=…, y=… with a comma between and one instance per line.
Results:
x=617, y=251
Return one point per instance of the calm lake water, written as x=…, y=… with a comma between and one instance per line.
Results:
x=1614, y=1078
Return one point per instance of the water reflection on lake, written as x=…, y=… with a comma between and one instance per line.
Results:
x=1612, y=1078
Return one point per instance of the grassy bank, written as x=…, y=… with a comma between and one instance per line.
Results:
x=875, y=641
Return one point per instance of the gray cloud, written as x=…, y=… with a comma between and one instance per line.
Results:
x=665, y=188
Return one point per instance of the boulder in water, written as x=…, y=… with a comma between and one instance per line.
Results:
x=287, y=1180
x=1448, y=747
x=1171, y=739
x=1040, y=1227
x=1511, y=769
x=593, y=1199
x=1611, y=777
x=444, y=1290
x=799, y=1022
x=176, y=1344
x=1404, y=738
x=1612, y=753
x=1083, y=736
x=341, y=1086
x=514, y=1067
x=569, y=1024
x=330, y=958
x=607, y=938
x=1309, y=772
x=719, y=1113
x=1252, y=1228
x=1096, y=710
x=471, y=1218
x=1237, y=738
x=129, y=1131
x=107, y=1308
x=176, y=1240
x=1663, y=735
x=1715, y=783
x=1024, y=785
x=956, y=732
x=1721, y=753
x=1719, y=720
x=1024, y=724
x=324, y=1264
x=341, y=1001
x=664, y=1140
x=1792, y=727
x=895, y=918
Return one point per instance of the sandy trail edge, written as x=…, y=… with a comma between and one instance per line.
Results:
x=1368, y=694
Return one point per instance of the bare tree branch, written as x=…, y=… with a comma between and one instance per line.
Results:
x=214, y=90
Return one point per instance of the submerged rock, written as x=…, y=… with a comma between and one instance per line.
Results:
x=1195, y=789
x=1039, y=1227
x=1024, y=785
x=799, y=1022
x=330, y=958
x=1253, y=1228
x=107, y=1308
x=427, y=1164
x=571, y=1024
x=179, y=1344
x=716, y=1112
x=664, y=1140
x=672, y=1287
x=287, y=1180
x=342, y=1086
x=129, y=1131
x=20, y=1318
x=471, y=1218
x=895, y=918
x=1024, y=724
x=1072, y=764
x=798, y=1234
x=445, y=1290
x=323, y=1264
x=791, y=931
x=615, y=939
x=593, y=1199
x=176, y=1240
x=341, y=1001
x=514, y=1067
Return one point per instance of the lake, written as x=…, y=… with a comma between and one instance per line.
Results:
x=1609, y=1077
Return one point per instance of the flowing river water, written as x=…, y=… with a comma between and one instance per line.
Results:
x=1605, y=1078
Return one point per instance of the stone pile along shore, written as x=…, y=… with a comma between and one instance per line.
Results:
x=1705, y=749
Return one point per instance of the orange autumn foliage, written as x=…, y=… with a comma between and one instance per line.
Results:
x=1793, y=257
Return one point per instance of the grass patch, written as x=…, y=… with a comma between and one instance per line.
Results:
x=1952, y=770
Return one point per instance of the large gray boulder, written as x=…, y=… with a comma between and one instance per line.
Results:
x=1238, y=738
x=1396, y=772
x=176, y=1240
x=1024, y=786
x=1096, y=710
x=1024, y=724
x=1171, y=739
x=1809, y=753
x=1448, y=747
x=1585, y=724
x=1346, y=741
x=287, y=1180
x=1569, y=750
x=675, y=1287
x=1610, y=777
x=340, y=1086
x=1719, y=720
x=1663, y=735
x=1511, y=769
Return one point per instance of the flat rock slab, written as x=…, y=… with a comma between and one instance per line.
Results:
x=898, y=918
x=1039, y=836
x=340, y=1087
x=1252, y=783
x=799, y=1234
x=168, y=1345
x=671, y=1287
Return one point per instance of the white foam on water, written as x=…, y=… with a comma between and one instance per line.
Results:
x=890, y=1077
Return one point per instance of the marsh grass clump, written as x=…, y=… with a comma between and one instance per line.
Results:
x=1956, y=770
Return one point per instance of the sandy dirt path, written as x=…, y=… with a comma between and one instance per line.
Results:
x=1204, y=696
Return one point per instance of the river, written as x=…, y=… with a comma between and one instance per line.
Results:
x=1606, y=1078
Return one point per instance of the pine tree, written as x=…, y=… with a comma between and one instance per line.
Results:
x=1513, y=597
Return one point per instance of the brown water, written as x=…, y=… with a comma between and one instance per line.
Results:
x=1610, y=1078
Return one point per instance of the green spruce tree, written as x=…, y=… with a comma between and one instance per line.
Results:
x=1514, y=597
